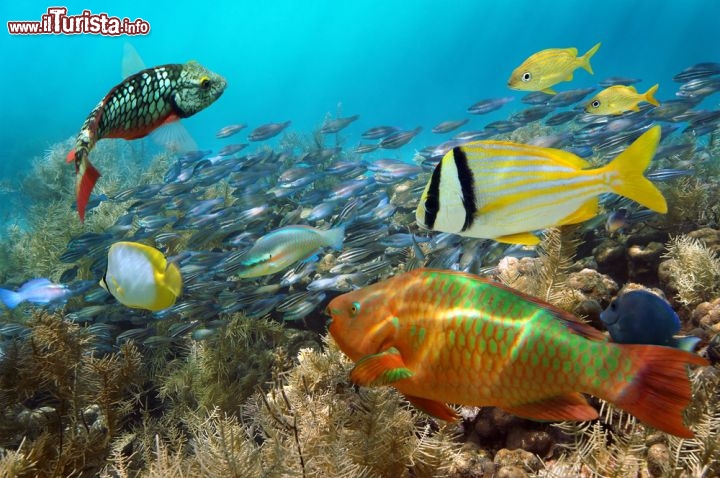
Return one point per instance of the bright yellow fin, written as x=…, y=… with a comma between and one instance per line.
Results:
x=587, y=211
x=524, y=238
x=629, y=167
x=585, y=59
x=650, y=95
x=635, y=107
x=173, y=279
x=549, y=91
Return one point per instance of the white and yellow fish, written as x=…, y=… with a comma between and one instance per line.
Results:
x=504, y=191
x=140, y=277
x=618, y=99
x=549, y=67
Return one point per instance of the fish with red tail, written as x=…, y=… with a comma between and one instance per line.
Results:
x=139, y=105
x=442, y=336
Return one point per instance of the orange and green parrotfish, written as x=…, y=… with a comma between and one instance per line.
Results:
x=448, y=337
x=504, y=191
x=139, y=105
x=618, y=99
x=549, y=67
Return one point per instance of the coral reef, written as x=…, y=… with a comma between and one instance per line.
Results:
x=691, y=271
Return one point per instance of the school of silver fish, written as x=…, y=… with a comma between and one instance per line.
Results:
x=365, y=190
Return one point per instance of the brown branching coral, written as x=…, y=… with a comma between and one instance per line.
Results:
x=63, y=404
x=692, y=270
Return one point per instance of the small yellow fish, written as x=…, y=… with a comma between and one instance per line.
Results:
x=504, y=191
x=140, y=277
x=549, y=67
x=618, y=99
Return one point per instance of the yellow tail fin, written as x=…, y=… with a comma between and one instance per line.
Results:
x=173, y=279
x=585, y=59
x=630, y=166
x=648, y=96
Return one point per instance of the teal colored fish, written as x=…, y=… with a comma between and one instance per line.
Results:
x=284, y=247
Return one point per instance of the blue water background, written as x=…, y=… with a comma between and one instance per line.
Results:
x=403, y=63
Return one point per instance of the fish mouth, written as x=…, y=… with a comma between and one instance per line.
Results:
x=607, y=320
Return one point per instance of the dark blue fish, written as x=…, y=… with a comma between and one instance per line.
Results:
x=641, y=317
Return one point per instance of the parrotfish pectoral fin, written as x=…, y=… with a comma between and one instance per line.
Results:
x=70, y=156
x=524, y=238
x=87, y=177
x=630, y=166
x=571, y=406
x=433, y=408
x=383, y=368
x=587, y=211
x=586, y=58
x=660, y=390
x=173, y=136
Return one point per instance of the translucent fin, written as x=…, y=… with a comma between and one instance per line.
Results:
x=630, y=166
x=571, y=406
x=174, y=137
x=131, y=61
x=585, y=63
x=433, y=408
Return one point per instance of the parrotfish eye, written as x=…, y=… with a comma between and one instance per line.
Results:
x=526, y=76
x=354, y=309
x=205, y=82
x=595, y=104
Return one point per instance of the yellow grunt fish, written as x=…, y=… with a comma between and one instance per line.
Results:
x=618, y=99
x=501, y=190
x=549, y=67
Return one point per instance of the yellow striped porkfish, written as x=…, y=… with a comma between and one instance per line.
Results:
x=504, y=191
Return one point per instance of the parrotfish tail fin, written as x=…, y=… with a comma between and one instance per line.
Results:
x=87, y=176
x=173, y=279
x=649, y=95
x=660, y=390
x=10, y=298
x=586, y=58
x=335, y=237
x=628, y=169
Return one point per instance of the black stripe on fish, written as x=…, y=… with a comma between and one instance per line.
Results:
x=465, y=176
x=432, y=200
